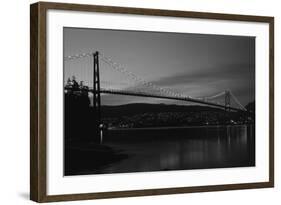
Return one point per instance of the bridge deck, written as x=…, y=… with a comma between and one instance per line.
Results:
x=128, y=93
x=139, y=94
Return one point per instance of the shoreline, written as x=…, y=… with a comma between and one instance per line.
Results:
x=184, y=127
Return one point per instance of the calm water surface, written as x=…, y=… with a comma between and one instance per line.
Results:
x=180, y=148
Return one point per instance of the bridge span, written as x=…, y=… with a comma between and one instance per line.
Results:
x=185, y=99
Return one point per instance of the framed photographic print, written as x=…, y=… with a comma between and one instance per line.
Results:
x=134, y=102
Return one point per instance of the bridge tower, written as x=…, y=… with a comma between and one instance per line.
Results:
x=227, y=100
x=96, y=96
x=227, y=106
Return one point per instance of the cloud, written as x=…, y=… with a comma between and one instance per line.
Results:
x=207, y=75
x=239, y=78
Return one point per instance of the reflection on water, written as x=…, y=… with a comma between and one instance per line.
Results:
x=180, y=148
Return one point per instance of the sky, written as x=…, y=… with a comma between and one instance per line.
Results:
x=196, y=65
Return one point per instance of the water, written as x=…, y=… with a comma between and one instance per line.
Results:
x=181, y=148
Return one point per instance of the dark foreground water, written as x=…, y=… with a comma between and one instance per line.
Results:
x=140, y=150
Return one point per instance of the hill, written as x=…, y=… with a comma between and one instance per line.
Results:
x=140, y=108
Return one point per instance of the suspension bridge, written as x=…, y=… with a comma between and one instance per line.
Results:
x=223, y=100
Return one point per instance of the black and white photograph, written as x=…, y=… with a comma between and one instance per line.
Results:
x=145, y=101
